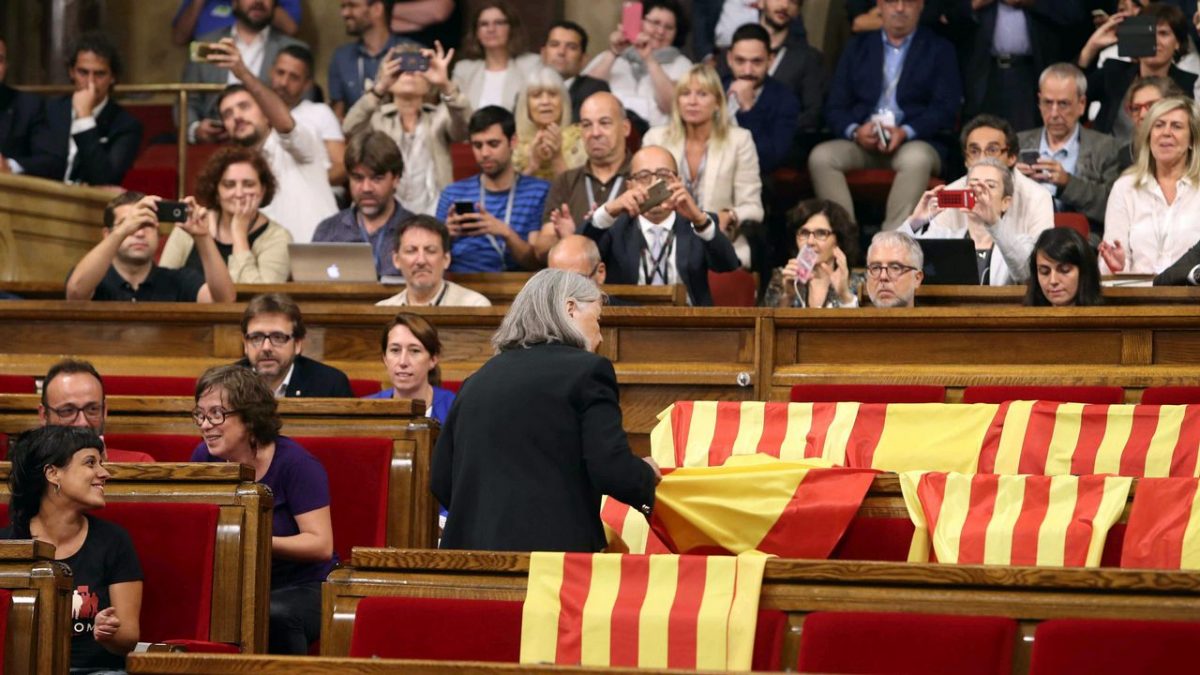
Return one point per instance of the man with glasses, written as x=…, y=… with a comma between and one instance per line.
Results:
x=73, y=396
x=1077, y=166
x=668, y=243
x=273, y=337
x=894, y=269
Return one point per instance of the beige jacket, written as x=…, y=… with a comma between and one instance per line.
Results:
x=266, y=263
x=469, y=74
x=731, y=179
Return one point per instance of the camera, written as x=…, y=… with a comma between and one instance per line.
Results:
x=956, y=199
x=172, y=212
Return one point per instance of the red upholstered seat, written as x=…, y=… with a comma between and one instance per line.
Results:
x=1103, y=647
x=17, y=384
x=362, y=388
x=868, y=393
x=5, y=606
x=462, y=160
x=162, y=447
x=874, y=184
x=886, y=642
x=148, y=385
x=867, y=538
x=1075, y=221
x=1171, y=395
x=441, y=629
x=733, y=289
x=116, y=455
x=1067, y=394
x=452, y=385
x=358, y=488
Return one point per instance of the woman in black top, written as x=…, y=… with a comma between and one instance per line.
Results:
x=57, y=476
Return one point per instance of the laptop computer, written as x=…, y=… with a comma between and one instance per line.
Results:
x=330, y=261
x=949, y=261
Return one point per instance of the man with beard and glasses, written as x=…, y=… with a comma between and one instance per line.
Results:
x=375, y=165
x=200, y=17
x=259, y=44
x=493, y=216
x=292, y=79
x=423, y=254
x=256, y=117
x=759, y=102
x=273, y=338
x=355, y=62
x=121, y=267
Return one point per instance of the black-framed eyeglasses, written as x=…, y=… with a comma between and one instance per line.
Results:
x=645, y=177
x=278, y=339
x=69, y=413
x=820, y=234
x=215, y=417
x=893, y=269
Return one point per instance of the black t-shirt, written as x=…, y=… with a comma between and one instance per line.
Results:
x=194, y=264
x=162, y=285
x=107, y=557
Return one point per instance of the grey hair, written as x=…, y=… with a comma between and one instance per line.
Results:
x=916, y=256
x=1067, y=71
x=999, y=166
x=541, y=79
x=539, y=313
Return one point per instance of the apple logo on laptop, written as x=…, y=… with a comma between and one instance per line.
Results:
x=333, y=272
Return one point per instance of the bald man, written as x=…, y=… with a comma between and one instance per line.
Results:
x=671, y=242
x=575, y=194
x=576, y=253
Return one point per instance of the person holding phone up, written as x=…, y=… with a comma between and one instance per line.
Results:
x=818, y=274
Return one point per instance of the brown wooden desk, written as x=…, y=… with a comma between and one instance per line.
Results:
x=46, y=227
x=38, y=638
x=1013, y=296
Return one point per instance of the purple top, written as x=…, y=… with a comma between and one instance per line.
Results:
x=300, y=485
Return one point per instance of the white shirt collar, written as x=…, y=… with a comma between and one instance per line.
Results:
x=281, y=390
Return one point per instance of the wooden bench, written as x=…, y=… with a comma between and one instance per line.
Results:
x=798, y=587
x=1012, y=296
x=412, y=512
x=37, y=623
x=242, y=560
x=46, y=227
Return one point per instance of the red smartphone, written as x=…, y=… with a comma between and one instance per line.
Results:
x=631, y=20
x=956, y=199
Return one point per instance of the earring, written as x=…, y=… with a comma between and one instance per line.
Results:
x=57, y=488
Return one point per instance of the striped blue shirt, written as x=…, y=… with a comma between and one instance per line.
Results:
x=476, y=253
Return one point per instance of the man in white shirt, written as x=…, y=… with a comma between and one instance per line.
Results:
x=291, y=78
x=423, y=255
x=255, y=116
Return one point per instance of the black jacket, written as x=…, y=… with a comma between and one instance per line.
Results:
x=20, y=113
x=532, y=441
x=106, y=151
x=313, y=379
x=582, y=87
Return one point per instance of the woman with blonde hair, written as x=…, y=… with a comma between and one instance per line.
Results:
x=1151, y=218
x=717, y=159
x=547, y=143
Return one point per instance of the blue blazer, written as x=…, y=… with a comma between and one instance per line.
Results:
x=929, y=91
x=442, y=398
x=106, y=151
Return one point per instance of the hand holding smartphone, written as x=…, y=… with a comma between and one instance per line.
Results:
x=631, y=20
x=806, y=260
x=658, y=193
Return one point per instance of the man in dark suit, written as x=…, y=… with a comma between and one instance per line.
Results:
x=259, y=45
x=764, y=106
x=669, y=243
x=566, y=43
x=892, y=102
x=796, y=64
x=20, y=113
x=273, y=336
x=87, y=137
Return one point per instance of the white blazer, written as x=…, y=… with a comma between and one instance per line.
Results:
x=468, y=73
x=731, y=177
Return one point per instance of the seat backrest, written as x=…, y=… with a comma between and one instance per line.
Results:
x=17, y=384
x=1104, y=646
x=1075, y=221
x=868, y=393
x=452, y=385
x=148, y=385
x=462, y=160
x=901, y=642
x=439, y=629
x=1171, y=396
x=1096, y=395
x=5, y=606
x=875, y=538
x=117, y=455
x=363, y=388
x=733, y=289
x=162, y=447
x=358, y=488
x=176, y=544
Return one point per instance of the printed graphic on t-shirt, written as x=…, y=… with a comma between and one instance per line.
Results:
x=85, y=605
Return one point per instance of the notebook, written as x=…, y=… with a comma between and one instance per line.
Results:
x=328, y=261
x=949, y=261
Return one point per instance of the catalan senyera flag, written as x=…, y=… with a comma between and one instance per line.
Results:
x=1163, y=531
x=758, y=503
x=1055, y=521
x=646, y=611
x=1045, y=437
x=627, y=529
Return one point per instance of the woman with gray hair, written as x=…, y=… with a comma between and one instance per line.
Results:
x=535, y=436
x=547, y=143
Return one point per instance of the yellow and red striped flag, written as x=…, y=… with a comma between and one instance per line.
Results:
x=646, y=611
x=627, y=529
x=1163, y=531
x=1055, y=521
x=758, y=503
x=1050, y=438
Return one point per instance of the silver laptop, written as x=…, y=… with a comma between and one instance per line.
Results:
x=327, y=261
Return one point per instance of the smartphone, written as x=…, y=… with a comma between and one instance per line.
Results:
x=631, y=20
x=1030, y=157
x=412, y=62
x=885, y=137
x=658, y=193
x=464, y=207
x=198, y=51
x=806, y=260
x=956, y=199
x=172, y=212
x=1136, y=36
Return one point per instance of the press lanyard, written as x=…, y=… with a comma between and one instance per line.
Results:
x=591, y=197
x=661, y=265
x=512, y=195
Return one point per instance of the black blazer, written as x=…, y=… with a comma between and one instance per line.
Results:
x=582, y=87
x=106, y=151
x=20, y=113
x=313, y=379
x=621, y=249
x=1177, y=273
x=532, y=441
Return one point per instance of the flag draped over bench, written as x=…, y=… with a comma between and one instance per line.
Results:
x=648, y=611
x=1056, y=521
x=1163, y=531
